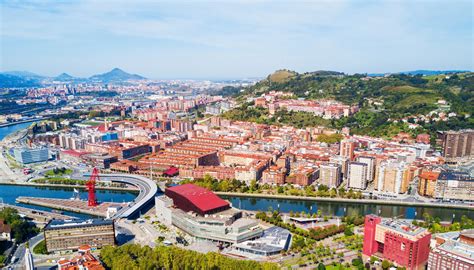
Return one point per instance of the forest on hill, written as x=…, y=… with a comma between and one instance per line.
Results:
x=381, y=100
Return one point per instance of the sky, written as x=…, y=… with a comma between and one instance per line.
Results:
x=234, y=39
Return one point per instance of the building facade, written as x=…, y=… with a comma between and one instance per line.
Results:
x=204, y=216
x=66, y=235
x=330, y=175
x=453, y=185
x=458, y=144
x=30, y=155
x=397, y=241
x=357, y=175
x=453, y=250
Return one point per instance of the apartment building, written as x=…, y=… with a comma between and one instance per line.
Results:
x=392, y=176
x=357, y=175
x=454, y=185
x=457, y=144
x=330, y=174
x=427, y=183
x=370, y=161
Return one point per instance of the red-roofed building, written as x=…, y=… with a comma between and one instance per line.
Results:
x=189, y=197
x=171, y=171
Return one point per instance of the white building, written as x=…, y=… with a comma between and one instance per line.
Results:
x=357, y=175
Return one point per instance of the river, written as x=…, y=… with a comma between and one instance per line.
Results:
x=9, y=193
x=5, y=131
x=342, y=208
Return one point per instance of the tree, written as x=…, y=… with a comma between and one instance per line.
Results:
x=386, y=264
x=348, y=231
x=280, y=189
x=321, y=266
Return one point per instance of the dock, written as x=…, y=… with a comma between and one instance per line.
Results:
x=35, y=214
x=77, y=206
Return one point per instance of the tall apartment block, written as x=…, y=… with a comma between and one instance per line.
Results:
x=330, y=174
x=392, y=176
x=357, y=175
x=370, y=161
x=457, y=144
x=347, y=148
x=398, y=241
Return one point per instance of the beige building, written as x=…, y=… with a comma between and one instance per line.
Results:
x=66, y=235
x=357, y=175
x=330, y=174
x=392, y=176
x=454, y=186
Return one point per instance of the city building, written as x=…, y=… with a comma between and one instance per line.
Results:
x=84, y=260
x=370, y=161
x=66, y=235
x=398, y=241
x=357, y=175
x=30, y=155
x=273, y=241
x=347, y=148
x=204, y=216
x=392, y=176
x=427, y=183
x=274, y=175
x=453, y=250
x=457, y=144
x=454, y=185
x=330, y=174
x=5, y=231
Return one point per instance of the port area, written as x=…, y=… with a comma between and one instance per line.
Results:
x=78, y=206
x=39, y=216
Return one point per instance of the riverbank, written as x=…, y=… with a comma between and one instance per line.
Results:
x=134, y=189
x=22, y=122
x=344, y=200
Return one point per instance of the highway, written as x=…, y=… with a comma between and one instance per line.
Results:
x=147, y=187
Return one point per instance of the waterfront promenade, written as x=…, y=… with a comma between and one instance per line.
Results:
x=345, y=200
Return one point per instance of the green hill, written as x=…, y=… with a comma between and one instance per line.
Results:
x=380, y=98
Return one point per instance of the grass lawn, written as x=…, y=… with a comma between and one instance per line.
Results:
x=58, y=173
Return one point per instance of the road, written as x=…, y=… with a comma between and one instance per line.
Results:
x=21, y=250
x=147, y=187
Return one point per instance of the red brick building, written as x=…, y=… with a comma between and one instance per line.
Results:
x=397, y=241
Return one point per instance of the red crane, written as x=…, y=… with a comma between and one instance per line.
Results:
x=90, y=186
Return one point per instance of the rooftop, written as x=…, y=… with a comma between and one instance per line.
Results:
x=202, y=198
x=403, y=227
x=77, y=223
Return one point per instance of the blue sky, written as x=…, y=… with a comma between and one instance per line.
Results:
x=234, y=39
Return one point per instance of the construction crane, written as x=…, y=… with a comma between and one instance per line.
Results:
x=90, y=186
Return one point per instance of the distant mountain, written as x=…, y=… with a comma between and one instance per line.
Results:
x=116, y=75
x=12, y=81
x=420, y=72
x=64, y=77
x=25, y=74
x=432, y=72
